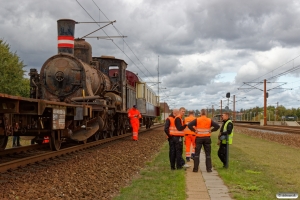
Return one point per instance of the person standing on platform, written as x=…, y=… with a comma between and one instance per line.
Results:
x=134, y=116
x=170, y=124
x=226, y=130
x=189, y=138
x=203, y=131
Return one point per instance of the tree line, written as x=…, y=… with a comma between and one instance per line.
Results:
x=12, y=73
x=274, y=113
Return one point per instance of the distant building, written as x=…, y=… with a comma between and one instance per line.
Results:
x=164, y=107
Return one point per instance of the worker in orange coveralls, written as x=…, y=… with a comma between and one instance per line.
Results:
x=189, y=137
x=134, y=116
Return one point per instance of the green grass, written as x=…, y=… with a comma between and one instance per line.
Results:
x=157, y=181
x=258, y=169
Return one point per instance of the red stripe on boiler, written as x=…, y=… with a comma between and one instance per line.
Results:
x=66, y=45
x=65, y=37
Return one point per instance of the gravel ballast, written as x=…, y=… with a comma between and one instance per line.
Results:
x=93, y=174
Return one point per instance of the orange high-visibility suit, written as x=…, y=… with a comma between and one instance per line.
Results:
x=134, y=116
x=189, y=138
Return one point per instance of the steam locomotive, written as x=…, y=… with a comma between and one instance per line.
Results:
x=76, y=96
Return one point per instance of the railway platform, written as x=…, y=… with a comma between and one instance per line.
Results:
x=203, y=185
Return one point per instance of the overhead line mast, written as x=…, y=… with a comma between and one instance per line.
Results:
x=158, y=76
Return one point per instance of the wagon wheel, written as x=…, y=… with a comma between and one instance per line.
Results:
x=121, y=125
x=55, y=142
x=147, y=123
x=3, y=142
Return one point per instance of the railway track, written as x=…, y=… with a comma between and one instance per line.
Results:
x=15, y=158
x=283, y=129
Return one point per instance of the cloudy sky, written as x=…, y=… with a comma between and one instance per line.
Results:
x=203, y=49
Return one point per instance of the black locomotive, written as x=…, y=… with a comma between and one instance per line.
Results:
x=76, y=96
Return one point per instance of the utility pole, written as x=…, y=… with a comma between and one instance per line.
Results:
x=158, y=76
x=265, y=102
x=276, y=111
x=233, y=107
x=221, y=108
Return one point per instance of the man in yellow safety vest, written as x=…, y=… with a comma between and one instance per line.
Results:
x=226, y=130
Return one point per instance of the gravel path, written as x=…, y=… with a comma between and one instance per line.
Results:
x=94, y=174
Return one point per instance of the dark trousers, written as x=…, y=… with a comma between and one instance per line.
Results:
x=206, y=142
x=175, y=152
x=16, y=140
x=222, y=153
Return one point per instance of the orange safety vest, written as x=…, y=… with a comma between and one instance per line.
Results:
x=203, y=128
x=186, y=121
x=173, y=129
x=134, y=114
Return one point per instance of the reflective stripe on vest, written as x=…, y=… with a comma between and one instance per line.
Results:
x=203, y=127
x=173, y=129
x=230, y=135
x=186, y=121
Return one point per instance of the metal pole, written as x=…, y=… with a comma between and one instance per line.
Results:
x=265, y=102
x=158, y=75
x=234, y=117
x=221, y=108
x=164, y=111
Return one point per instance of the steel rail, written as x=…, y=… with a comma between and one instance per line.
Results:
x=16, y=150
x=11, y=165
x=284, y=129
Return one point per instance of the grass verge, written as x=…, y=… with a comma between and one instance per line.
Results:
x=157, y=181
x=22, y=142
x=258, y=169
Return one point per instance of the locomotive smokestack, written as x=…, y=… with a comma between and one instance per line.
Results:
x=66, y=32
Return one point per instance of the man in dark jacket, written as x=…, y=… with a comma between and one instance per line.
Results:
x=178, y=140
x=167, y=131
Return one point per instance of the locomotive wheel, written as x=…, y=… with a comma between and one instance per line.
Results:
x=122, y=125
x=104, y=134
x=55, y=144
x=118, y=130
x=110, y=134
x=96, y=136
x=3, y=142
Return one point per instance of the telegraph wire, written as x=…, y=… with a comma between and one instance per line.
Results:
x=112, y=40
x=122, y=38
